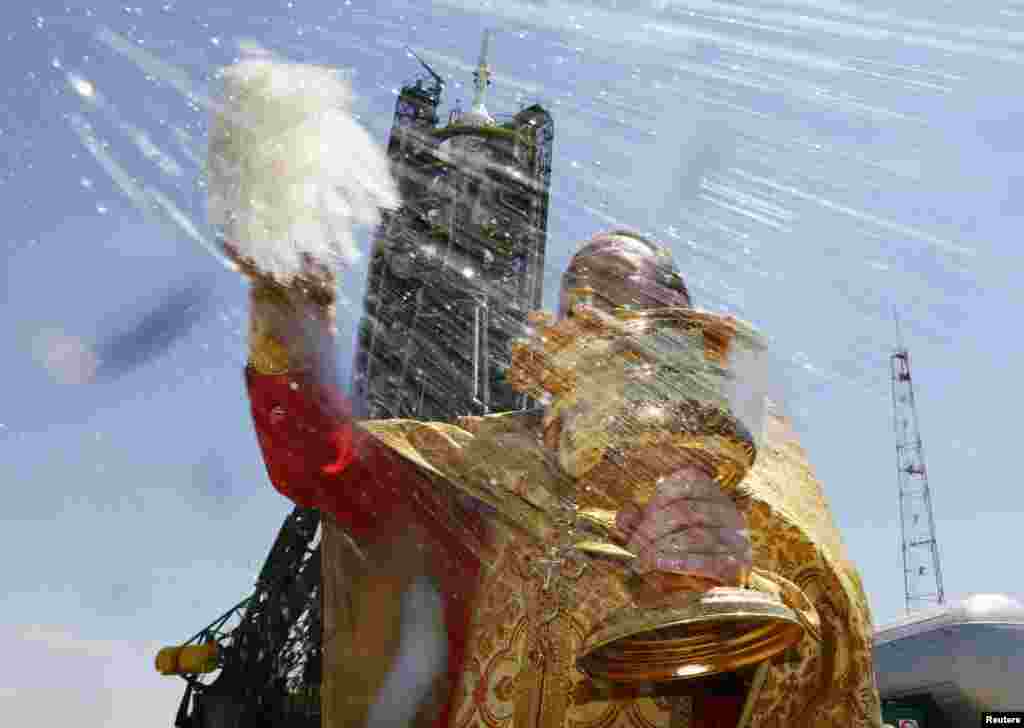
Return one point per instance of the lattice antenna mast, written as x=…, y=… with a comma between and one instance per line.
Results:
x=922, y=574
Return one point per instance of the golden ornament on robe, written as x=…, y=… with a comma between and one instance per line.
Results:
x=634, y=397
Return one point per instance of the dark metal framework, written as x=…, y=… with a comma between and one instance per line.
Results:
x=455, y=270
x=270, y=643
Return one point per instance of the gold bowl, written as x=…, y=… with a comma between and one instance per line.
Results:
x=721, y=630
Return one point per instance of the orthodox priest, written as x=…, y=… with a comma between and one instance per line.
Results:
x=421, y=513
x=463, y=583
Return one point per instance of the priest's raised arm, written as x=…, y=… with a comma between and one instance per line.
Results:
x=401, y=556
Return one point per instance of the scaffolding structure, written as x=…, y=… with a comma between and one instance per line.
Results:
x=922, y=575
x=268, y=645
x=454, y=272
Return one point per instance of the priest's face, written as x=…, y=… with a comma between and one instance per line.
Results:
x=622, y=269
x=613, y=270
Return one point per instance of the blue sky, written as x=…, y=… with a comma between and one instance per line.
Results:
x=812, y=164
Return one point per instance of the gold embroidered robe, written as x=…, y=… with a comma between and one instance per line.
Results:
x=531, y=614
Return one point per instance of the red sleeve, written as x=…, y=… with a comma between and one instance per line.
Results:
x=304, y=430
x=318, y=458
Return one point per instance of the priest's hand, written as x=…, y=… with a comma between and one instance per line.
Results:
x=292, y=324
x=314, y=284
x=690, y=535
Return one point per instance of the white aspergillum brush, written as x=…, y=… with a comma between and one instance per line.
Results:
x=290, y=172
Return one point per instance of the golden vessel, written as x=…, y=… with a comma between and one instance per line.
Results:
x=701, y=633
x=635, y=396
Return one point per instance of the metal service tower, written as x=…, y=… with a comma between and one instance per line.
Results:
x=922, y=575
x=455, y=270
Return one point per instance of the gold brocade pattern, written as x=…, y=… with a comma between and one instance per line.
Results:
x=493, y=674
x=826, y=683
x=521, y=672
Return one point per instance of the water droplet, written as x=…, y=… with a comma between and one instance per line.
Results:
x=81, y=86
x=86, y=183
x=215, y=40
x=101, y=209
x=294, y=386
x=277, y=414
x=56, y=63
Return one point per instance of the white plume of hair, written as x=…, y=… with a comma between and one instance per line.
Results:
x=290, y=171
